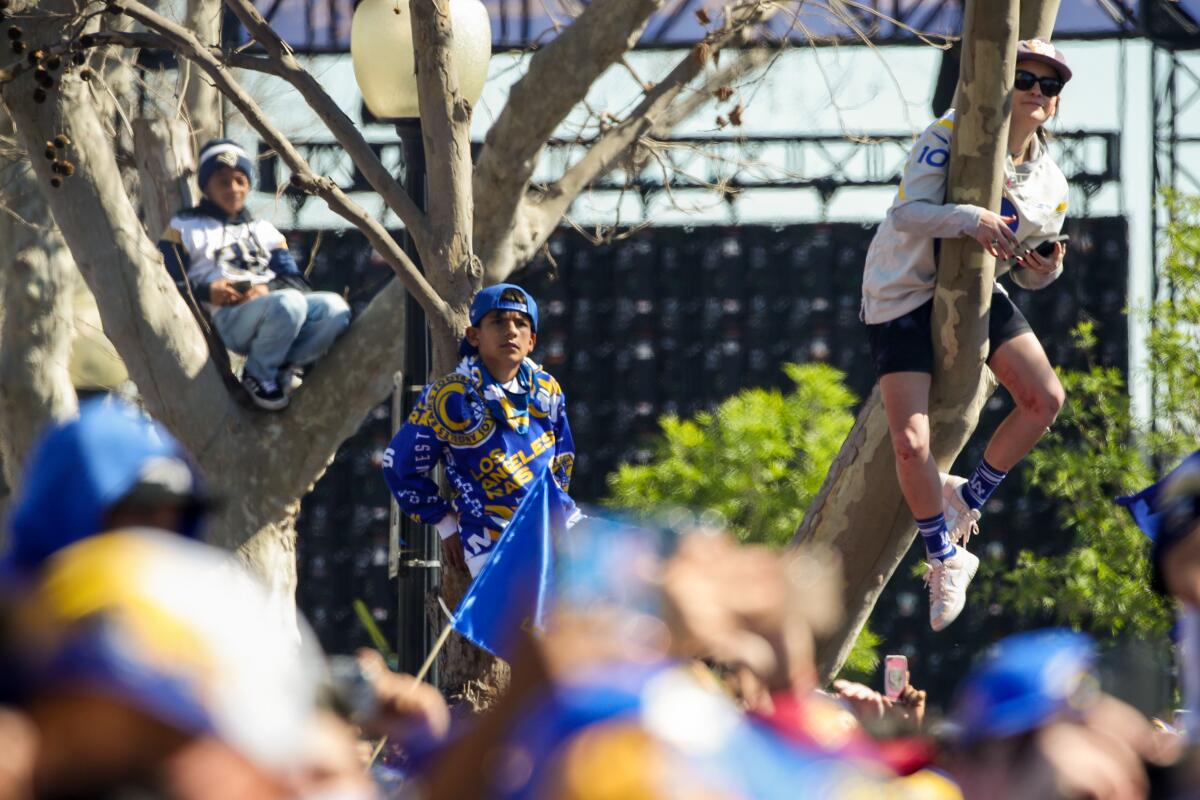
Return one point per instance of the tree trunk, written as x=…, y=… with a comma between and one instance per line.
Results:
x=860, y=510
x=38, y=281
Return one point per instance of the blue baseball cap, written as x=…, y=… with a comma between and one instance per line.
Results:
x=501, y=297
x=1026, y=681
x=1177, y=506
x=81, y=468
x=1167, y=512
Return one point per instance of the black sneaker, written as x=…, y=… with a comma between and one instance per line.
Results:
x=265, y=394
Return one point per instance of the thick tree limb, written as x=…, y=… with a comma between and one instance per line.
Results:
x=340, y=125
x=1037, y=18
x=201, y=98
x=559, y=77
x=446, y=134
x=184, y=43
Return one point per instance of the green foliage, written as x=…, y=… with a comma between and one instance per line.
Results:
x=1097, y=450
x=758, y=459
x=863, y=660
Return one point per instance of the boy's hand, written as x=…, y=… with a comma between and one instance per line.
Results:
x=222, y=293
x=257, y=290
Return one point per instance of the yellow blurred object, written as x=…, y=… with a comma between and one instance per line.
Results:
x=622, y=761
x=94, y=363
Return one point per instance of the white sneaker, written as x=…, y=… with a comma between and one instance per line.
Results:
x=948, y=580
x=291, y=378
x=962, y=521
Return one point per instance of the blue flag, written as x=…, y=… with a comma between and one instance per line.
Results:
x=1143, y=506
x=513, y=589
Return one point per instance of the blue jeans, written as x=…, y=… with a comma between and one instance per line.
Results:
x=282, y=327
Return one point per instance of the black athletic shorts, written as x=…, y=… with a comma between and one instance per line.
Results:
x=905, y=344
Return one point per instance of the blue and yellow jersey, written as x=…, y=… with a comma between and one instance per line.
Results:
x=491, y=449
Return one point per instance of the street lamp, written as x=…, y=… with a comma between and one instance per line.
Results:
x=381, y=48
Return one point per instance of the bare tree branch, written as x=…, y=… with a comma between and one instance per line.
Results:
x=157, y=42
x=559, y=77
x=184, y=43
x=539, y=212
x=340, y=125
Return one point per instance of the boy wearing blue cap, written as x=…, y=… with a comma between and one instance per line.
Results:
x=496, y=422
x=241, y=272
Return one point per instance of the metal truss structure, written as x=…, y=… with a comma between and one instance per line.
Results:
x=825, y=164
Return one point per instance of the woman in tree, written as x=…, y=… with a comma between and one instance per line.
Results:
x=897, y=306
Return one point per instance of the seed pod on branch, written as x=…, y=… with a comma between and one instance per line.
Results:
x=61, y=141
x=39, y=95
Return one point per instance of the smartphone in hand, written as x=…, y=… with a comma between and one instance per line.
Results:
x=1046, y=248
x=241, y=287
x=895, y=675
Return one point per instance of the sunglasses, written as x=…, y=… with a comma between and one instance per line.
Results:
x=1025, y=81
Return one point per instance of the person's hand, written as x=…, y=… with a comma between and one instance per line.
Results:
x=1044, y=264
x=909, y=708
x=18, y=743
x=452, y=553
x=222, y=293
x=866, y=703
x=255, y=291
x=403, y=703
x=746, y=627
x=995, y=236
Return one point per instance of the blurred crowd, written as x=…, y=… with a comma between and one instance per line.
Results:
x=138, y=662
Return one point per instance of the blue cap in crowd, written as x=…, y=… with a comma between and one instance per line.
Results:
x=217, y=153
x=1167, y=511
x=1026, y=681
x=81, y=468
x=501, y=297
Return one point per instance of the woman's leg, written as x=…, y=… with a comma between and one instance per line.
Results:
x=906, y=401
x=1021, y=366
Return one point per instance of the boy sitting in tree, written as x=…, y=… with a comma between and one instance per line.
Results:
x=240, y=270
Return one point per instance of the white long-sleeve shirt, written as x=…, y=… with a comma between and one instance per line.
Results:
x=901, y=267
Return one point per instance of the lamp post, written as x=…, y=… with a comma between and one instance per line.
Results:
x=381, y=48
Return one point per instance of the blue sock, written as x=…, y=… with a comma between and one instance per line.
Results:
x=937, y=537
x=981, y=484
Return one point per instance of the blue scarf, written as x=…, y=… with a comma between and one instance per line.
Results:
x=512, y=408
